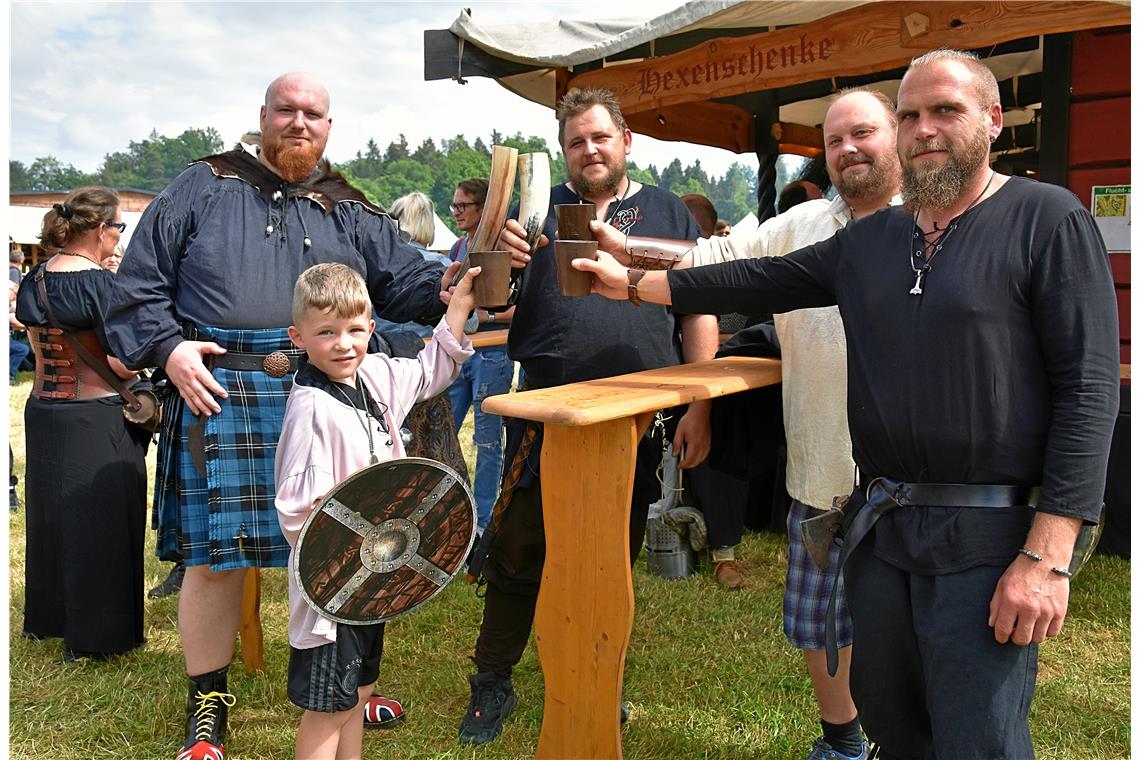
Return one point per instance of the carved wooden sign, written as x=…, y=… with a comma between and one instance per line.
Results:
x=861, y=40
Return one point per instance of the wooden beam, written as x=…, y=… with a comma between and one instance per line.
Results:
x=862, y=40
x=561, y=80
x=798, y=134
x=718, y=124
x=792, y=149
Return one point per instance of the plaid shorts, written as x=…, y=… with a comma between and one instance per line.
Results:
x=326, y=678
x=808, y=590
x=226, y=517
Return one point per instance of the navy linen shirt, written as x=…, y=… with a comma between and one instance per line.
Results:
x=1004, y=371
x=203, y=254
x=558, y=339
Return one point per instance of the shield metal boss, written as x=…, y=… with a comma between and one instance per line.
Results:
x=385, y=540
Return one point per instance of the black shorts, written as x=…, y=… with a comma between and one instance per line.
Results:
x=326, y=678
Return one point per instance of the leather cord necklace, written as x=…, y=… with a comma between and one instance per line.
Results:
x=921, y=244
x=363, y=419
x=621, y=200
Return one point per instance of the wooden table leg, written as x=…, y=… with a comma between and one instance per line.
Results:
x=252, y=648
x=585, y=604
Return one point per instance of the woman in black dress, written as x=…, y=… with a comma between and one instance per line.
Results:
x=86, y=470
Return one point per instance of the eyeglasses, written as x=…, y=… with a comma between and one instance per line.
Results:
x=459, y=208
x=120, y=226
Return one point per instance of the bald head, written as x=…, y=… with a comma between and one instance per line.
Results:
x=298, y=81
x=295, y=125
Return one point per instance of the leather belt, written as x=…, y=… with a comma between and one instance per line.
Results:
x=885, y=495
x=955, y=494
x=275, y=364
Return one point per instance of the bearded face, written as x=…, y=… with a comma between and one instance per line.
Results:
x=859, y=146
x=294, y=160
x=595, y=150
x=876, y=174
x=602, y=177
x=927, y=185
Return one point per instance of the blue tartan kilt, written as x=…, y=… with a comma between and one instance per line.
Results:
x=225, y=518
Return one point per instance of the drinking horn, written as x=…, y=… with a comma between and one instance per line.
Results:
x=534, y=194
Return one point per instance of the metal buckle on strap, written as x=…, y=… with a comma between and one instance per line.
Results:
x=275, y=364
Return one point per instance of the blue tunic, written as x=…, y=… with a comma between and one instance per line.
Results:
x=217, y=253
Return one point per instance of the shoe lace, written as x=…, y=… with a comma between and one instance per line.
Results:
x=207, y=712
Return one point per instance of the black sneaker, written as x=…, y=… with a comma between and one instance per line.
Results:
x=492, y=699
x=171, y=585
x=206, y=726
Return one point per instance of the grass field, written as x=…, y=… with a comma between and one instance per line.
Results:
x=709, y=673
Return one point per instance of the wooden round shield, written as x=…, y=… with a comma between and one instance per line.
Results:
x=385, y=540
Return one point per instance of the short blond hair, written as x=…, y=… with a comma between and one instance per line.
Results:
x=335, y=288
x=984, y=84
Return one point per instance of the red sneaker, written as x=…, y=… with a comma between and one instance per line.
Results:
x=381, y=712
x=202, y=750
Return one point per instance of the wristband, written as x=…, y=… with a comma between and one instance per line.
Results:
x=1063, y=571
x=634, y=276
x=1030, y=553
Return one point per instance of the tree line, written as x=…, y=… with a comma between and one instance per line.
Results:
x=382, y=174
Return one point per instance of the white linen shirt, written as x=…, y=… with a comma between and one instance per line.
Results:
x=813, y=354
x=322, y=443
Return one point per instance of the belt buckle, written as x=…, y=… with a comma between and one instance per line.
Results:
x=275, y=364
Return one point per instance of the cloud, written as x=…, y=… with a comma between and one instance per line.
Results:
x=88, y=78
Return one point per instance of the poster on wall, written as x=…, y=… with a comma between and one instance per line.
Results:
x=1112, y=210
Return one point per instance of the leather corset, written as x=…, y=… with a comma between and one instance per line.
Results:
x=60, y=373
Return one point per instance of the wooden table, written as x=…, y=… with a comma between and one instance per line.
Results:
x=585, y=603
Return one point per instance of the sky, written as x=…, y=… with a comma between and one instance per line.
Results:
x=87, y=78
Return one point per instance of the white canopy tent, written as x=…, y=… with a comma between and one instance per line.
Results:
x=748, y=223
x=444, y=237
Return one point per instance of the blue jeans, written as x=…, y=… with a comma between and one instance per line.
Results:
x=488, y=373
x=17, y=352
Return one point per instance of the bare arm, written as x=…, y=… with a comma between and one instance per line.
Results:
x=496, y=317
x=461, y=303
x=616, y=243
x=693, y=438
x=611, y=280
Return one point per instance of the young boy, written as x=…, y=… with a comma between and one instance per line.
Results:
x=344, y=413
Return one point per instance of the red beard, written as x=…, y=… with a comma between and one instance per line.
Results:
x=293, y=163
